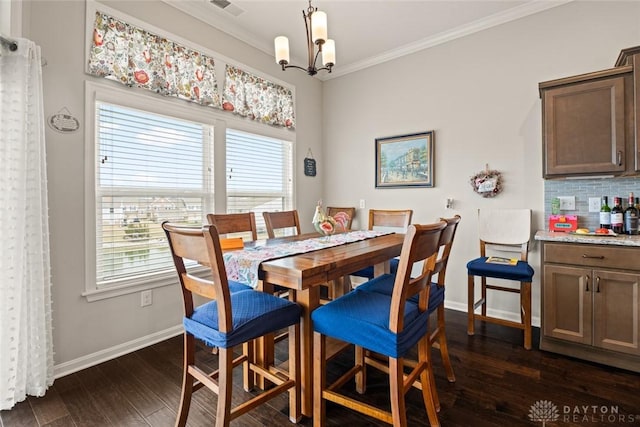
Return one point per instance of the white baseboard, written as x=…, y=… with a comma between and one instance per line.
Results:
x=98, y=357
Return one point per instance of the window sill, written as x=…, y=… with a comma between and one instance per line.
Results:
x=142, y=284
x=130, y=288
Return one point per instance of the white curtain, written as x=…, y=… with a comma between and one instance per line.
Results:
x=26, y=349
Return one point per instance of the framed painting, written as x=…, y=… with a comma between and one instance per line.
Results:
x=405, y=161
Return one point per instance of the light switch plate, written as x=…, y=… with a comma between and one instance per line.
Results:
x=567, y=203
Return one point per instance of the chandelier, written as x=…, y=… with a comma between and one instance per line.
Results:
x=315, y=22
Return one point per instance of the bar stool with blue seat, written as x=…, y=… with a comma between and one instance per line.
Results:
x=390, y=325
x=384, y=285
x=502, y=230
x=228, y=320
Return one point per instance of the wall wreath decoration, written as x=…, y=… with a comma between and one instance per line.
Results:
x=487, y=183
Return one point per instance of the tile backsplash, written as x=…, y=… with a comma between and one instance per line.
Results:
x=582, y=189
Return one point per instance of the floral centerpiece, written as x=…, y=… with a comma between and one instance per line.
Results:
x=327, y=225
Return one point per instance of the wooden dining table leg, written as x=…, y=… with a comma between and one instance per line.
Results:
x=309, y=300
x=382, y=268
x=339, y=287
x=264, y=348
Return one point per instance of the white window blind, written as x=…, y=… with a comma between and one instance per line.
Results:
x=150, y=168
x=259, y=175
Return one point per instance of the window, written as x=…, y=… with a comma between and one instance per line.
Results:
x=148, y=163
x=151, y=168
x=259, y=175
x=150, y=159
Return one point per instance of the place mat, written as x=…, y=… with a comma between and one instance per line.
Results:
x=243, y=265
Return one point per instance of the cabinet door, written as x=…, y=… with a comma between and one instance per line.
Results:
x=567, y=303
x=636, y=116
x=616, y=311
x=584, y=128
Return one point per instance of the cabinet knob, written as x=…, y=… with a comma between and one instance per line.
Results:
x=597, y=284
x=586, y=281
x=619, y=158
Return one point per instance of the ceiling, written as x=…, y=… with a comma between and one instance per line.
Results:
x=365, y=32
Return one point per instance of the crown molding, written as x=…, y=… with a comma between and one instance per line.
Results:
x=447, y=36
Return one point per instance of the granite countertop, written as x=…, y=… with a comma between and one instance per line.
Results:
x=620, y=240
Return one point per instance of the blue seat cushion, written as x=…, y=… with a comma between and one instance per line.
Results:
x=254, y=314
x=237, y=287
x=384, y=285
x=362, y=318
x=521, y=272
x=367, y=272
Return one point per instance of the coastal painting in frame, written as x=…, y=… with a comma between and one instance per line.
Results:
x=405, y=161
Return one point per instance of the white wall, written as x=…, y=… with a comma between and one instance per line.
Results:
x=480, y=95
x=85, y=333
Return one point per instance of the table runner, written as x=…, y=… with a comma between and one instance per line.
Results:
x=243, y=265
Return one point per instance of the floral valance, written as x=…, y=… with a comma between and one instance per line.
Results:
x=135, y=57
x=258, y=99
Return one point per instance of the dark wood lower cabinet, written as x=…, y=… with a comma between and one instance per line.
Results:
x=589, y=311
x=567, y=304
x=616, y=309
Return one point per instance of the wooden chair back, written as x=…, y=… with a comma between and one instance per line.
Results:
x=281, y=220
x=446, y=242
x=421, y=244
x=234, y=223
x=201, y=245
x=505, y=230
x=331, y=211
x=381, y=218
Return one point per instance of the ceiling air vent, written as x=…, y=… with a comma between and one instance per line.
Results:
x=227, y=7
x=221, y=3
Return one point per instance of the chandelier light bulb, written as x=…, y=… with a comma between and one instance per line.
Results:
x=329, y=53
x=282, y=49
x=318, y=27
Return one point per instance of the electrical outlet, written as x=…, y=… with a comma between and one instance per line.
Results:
x=567, y=203
x=594, y=204
x=361, y=203
x=146, y=298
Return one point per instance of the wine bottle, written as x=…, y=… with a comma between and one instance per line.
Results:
x=605, y=213
x=617, y=216
x=631, y=217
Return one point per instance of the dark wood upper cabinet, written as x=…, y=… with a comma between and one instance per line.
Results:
x=591, y=122
x=584, y=124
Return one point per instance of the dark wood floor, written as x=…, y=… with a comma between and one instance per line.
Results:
x=498, y=383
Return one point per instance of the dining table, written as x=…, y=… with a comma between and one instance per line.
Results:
x=302, y=274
